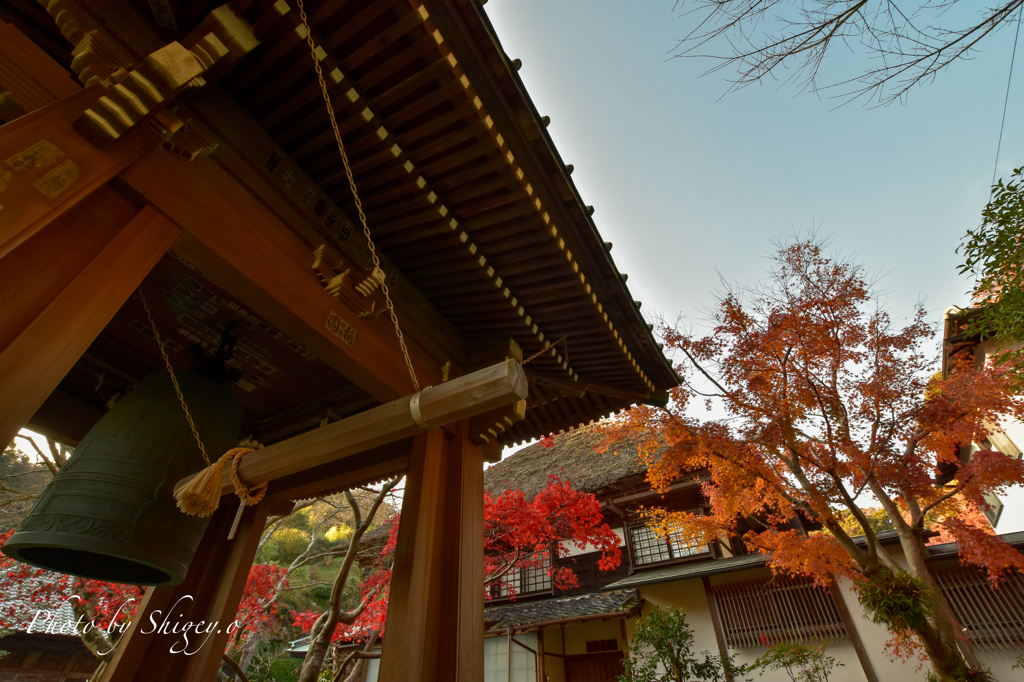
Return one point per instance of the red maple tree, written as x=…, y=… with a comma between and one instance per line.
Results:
x=101, y=610
x=259, y=605
x=518, y=534
x=824, y=400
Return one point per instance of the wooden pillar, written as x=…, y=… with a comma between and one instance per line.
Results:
x=853, y=633
x=716, y=621
x=62, y=286
x=151, y=651
x=541, y=673
x=435, y=625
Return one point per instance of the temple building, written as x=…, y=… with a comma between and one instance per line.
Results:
x=732, y=600
x=173, y=192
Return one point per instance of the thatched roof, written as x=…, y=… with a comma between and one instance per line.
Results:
x=574, y=458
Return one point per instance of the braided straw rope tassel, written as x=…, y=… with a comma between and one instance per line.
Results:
x=201, y=495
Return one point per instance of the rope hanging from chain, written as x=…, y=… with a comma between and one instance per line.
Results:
x=355, y=194
x=201, y=495
x=545, y=349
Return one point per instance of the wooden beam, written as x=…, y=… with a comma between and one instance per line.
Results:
x=435, y=620
x=716, y=622
x=48, y=342
x=244, y=248
x=244, y=149
x=461, y=398
x=52, y=167
x=852, y=632
x=29, y=73
x=562, y=385
x=487, y=427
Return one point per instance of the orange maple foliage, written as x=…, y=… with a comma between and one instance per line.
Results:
x=826, y=402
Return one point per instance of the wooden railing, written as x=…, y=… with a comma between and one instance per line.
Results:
x=990, y=618
x=756, y=613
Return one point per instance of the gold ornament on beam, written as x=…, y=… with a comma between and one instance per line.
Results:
x=358, y=288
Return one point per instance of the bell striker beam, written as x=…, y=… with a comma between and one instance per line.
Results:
x=84, y=266
x=435, y=621
x=501, y=384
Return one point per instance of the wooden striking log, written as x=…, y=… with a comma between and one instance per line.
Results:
x=481, y=391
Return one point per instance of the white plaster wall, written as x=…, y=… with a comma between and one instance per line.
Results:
x=874, y=638
x=1011, y=519
x=573, y=550
x=554, y=667
x=578, y=634
x=689, y=596
x=999, y=662
x=842, y=650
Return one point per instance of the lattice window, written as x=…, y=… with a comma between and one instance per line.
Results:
x=537, y=579
x=990, y=618
x=649, y=548
x=780, y=609
x=598, y=645
x=522, y=581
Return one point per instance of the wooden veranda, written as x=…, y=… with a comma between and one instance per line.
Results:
x=183, y=146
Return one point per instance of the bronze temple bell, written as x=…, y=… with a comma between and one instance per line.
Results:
x=110, y=513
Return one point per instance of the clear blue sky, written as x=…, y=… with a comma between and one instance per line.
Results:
x=688, y=184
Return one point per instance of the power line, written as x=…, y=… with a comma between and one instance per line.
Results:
x=1006, y=101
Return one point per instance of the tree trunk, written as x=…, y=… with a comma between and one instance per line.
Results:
x=320, y=639
x=249, y=649
x=939, y=639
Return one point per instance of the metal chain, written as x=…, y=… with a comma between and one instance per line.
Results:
x=174, y=379
x=355, y=194
x=547, y=348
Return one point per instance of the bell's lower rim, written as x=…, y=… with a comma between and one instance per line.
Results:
x=96, y=560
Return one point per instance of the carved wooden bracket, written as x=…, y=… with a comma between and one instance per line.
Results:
x=138, y=95
x=359, y=288
x=190, y=143
x=138, y=92
x=485, y=428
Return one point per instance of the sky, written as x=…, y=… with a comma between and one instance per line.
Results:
x=692, y=184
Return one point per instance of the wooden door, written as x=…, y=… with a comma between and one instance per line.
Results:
x=600, y=667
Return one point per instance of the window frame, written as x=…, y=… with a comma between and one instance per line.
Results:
x=495, y=589
x=636, y=564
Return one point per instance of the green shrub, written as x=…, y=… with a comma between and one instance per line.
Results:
x=662, y=649
x=896, y=599
x=801, y=662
